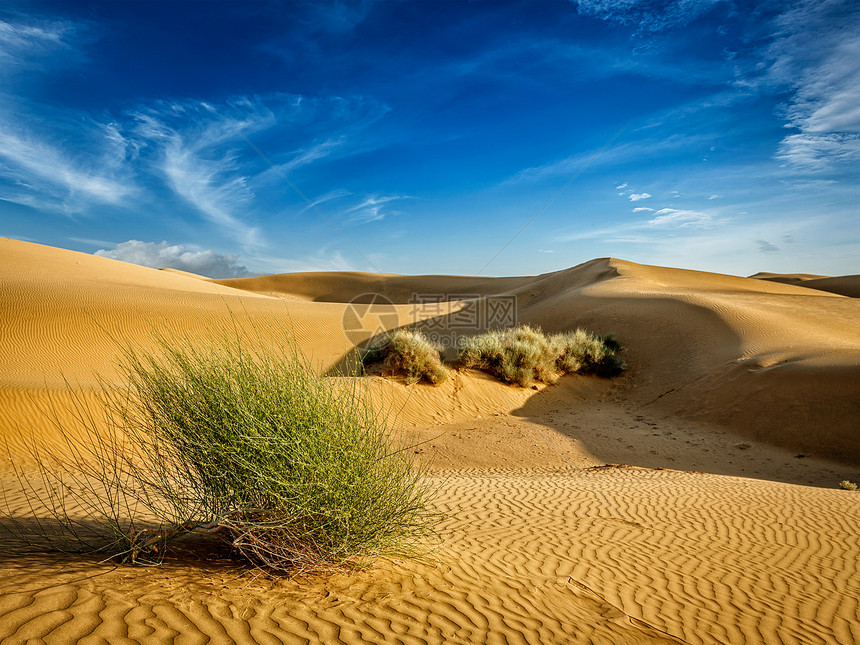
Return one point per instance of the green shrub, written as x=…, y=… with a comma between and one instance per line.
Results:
x=583, y=352
x=847, y=485
x=520, y=355
x=294, y=470
x=412, y=354
x=524, y=355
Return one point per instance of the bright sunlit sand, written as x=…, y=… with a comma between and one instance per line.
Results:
x=430, y=321
x=695, y=498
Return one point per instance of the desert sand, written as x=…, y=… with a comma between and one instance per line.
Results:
x=694, y=499
x=845, y=285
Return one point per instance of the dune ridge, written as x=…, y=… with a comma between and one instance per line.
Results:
x=777, y=362
x=844, y=285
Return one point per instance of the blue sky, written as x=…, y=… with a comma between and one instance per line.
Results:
x=501, y=138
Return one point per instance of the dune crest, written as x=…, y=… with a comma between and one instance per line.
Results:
x=844, y=285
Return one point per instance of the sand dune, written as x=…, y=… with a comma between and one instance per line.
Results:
x=775, y=362
x=786, y=278
x=541, y=543
x=844, y=285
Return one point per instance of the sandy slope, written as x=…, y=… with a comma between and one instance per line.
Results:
x=774, y=362
x=844, y=285
x=727, y=375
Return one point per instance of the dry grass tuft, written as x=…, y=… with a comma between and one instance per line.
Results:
x=524, y=354
x=412, y=354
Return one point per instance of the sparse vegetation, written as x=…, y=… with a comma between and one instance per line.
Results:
x=246, y=443
x=524, y=355
x=411, y=353
x=847, y=485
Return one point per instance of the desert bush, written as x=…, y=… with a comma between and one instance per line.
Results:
x=524, y=354
x=520, y=355
x=847, y=485
x=411, y=353
x=245, y=442
x=581, y=351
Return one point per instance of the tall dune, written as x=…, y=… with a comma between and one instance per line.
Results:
x=775, y=362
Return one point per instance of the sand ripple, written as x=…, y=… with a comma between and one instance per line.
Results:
x=618, y=555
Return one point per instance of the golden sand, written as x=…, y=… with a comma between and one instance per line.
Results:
x=716, y=532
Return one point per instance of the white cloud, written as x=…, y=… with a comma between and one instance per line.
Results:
x=200, y=183
x=176, y=256
x=198, y=156
x=641, y=209
x=371, y=209
x=63, y=182
x=41, y=173
x=622, y=186
x=23, y=45
x=635, y=197
x=819, y=151
x=715, y=197
x=332, y=195
x=310, y=154
x=643, y=231
x=816, y=52
x=684, y=219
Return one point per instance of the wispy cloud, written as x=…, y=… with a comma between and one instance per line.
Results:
x=39, y=172
x=645, y=149
x=684, y=219
x=635, y=197
x=46, y=176
x=647, y=15
x=642, y=230
x=371, y=209
x=176, y=256
x=816, y=52
x=24, y=45
x=196, y=148
x=642, y=209
x=814, y=151
x=311, y=154
x=332, y=195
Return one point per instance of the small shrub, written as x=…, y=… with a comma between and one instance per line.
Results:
x=412, y=354
x=847, y=485
x=524, y=355
x=294, y=471
x=520, y=355
x=581, y=351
